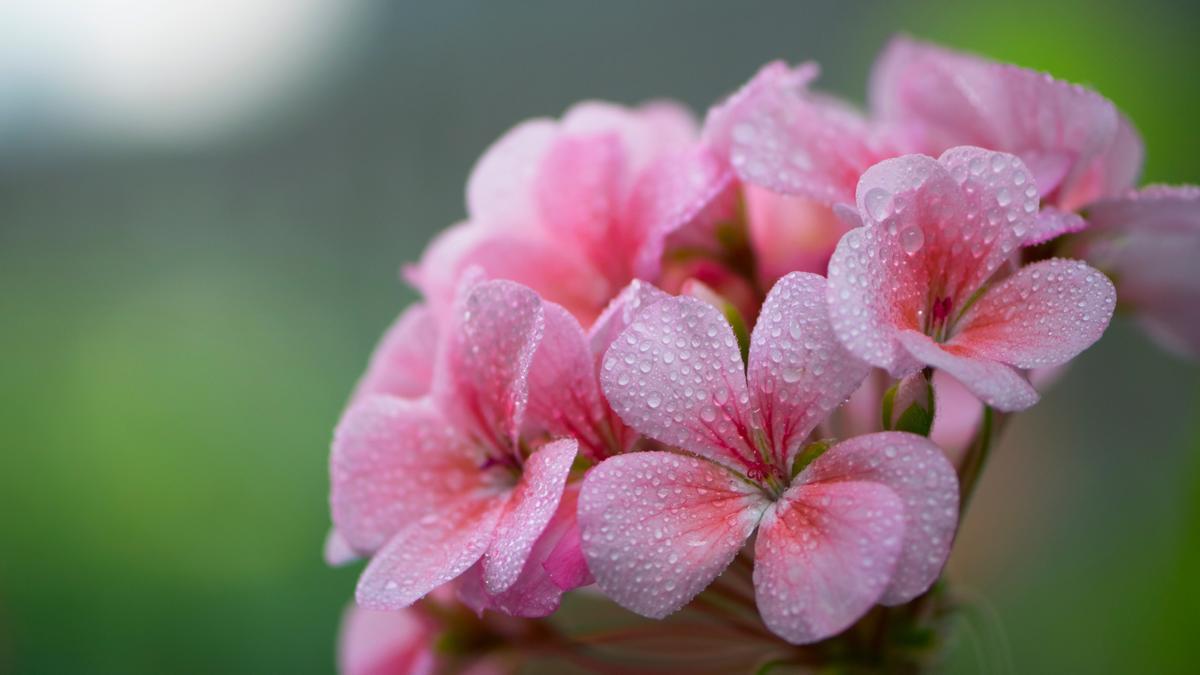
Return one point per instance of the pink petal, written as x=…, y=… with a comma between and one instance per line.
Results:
x=337, y=550
x=825, y=554
x=482, y=381
x=789, y=233
x=615, y=318
x=798, y=372
x=1044, y=315
x=957, y=418
x=533, y=503
x=431, y=551
x=994, y=383
x=558, y=274
x=402, y=364
x=646, y=132
x=394, y=461
x=917, y=471
x=676, y=192
x=499, y=190
x=676, y=375
x=1112, y=173
x=559, y=551
x=951, y=98
x=1052, y=223
x=564, y=394
x=658, y=527
x=794, y=142
x=386, y=643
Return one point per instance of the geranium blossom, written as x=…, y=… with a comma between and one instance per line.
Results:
x=916, y=285
x=870, y=519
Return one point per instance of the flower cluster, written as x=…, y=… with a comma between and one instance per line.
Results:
x=630, y=362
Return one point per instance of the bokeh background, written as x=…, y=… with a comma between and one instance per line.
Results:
x=203, y=207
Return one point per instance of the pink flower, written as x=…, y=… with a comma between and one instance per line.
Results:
x=1150, y=242
x=868, y=521
x=576, y=209
x=433, y=486
x=917, y=285
x=402, y=363
x=386, y=643
x=1078, y=146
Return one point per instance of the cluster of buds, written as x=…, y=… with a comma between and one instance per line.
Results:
x=749, y=368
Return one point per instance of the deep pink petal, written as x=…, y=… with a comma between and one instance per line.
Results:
x=482, y=382
x=786, y=139
x=386, y=643
x=1044, y=315
x=948, y=98
x=676, y=375
x=394, y=461
x=658, y=527
x=499, y=190
x=531, y=507
x=798, y=372
x=402, y=364
x=428, y=553
x=917, y=471
x=995, y=383
x=825, y=554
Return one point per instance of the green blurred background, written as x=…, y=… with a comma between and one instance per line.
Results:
x=189, y=289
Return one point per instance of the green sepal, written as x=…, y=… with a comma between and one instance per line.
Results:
x=810, y=453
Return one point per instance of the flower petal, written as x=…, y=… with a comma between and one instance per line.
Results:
x=428, y=553
x=402, y=364
x=786, y=139
x=337, y=551
x=949, y=98
x=1051, y=223
x=498, y=190
x=995, y=383
x=1044, y=315
x=615, y=318
x=394, y=461
x=825, y=554
x=386, y=643
x=917, y=471
x=482, y=381
x=798, y=372
x=658, y=527
x=790, y=233
x=676, y=375
x=533, y=503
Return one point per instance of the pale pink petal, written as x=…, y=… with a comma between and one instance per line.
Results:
x=658, y=527
x=386, y=643
x=825, y=554
x=1112, y=173
x=1044, y=315
x=994, y=383
x=798, y=372
x=676, y=375
x=615, y=318
x=917, y=471
x=646, y=132
x=557, y=274
x=790, y=234
x=786, y=139
x=499, y=191
x=428, y=553
x=482, y=380
x=564, y=394
x=402, y=364
x=394, y=461
x=533, y=503
x=1158, y=208
x=1052, y=223
x=957, y=417
x=677, y=192
x=948, y=98
x=337, y=551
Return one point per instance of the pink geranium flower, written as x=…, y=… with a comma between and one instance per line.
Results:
x=435, y=485
x=870, y=520
x=577, y=208
x=919, y=283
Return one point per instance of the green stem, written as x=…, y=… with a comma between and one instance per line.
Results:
x=972, y=466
